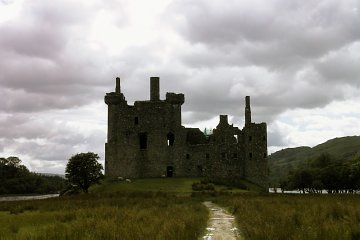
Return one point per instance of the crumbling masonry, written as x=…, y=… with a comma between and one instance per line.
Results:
x=147, y=140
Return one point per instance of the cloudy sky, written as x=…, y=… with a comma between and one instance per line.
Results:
x=298, y=60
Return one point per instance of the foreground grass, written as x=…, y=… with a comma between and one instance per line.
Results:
x=122, y=215
x=148, y=209
x=296, y=216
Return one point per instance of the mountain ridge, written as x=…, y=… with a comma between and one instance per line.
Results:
x=285, y=160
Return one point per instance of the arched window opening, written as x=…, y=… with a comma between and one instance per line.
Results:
x=236, y=138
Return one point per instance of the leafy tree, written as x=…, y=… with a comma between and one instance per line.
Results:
x=302, y=180
x=325, y=172
x=354, y=172
x=322, y=161
x=83, y=170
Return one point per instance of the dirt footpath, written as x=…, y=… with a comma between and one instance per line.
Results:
x=221, y=224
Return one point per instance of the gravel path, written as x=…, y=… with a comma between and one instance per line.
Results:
x=221, y=225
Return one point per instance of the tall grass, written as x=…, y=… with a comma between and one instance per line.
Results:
x=285, y=217
x=122, y=215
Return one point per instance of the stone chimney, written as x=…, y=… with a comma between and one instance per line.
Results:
x=247, y=111
x=154, y=89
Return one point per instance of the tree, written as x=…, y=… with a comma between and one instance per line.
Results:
x=83, y=170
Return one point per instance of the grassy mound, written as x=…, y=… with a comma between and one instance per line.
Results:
x=179, y=186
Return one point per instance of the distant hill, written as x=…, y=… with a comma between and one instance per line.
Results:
x=283, y=161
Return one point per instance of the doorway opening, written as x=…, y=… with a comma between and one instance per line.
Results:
x=169, y=171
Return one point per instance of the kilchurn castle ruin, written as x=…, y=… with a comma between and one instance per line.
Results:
x=147, y=140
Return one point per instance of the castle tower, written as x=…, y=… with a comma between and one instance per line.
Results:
x=113, y=100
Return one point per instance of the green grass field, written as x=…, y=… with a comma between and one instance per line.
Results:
x=169, y=185
x=178, y=186
x=130, y=215
x=166, y=209
x=298, y=216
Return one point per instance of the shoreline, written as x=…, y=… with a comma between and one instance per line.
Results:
x=27, y=197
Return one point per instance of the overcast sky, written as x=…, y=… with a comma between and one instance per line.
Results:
x=298, y=60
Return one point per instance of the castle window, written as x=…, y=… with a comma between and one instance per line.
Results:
x=235, y=155
x=250, y=138
x=250, y=155
x=223, y=155
x=143, y=140
x=170, y=139
x=265, y=155
x=187, y=156
x=236, y=138
x=136, y=120
x=264, y=138
x=199, y=169
x=207, y=156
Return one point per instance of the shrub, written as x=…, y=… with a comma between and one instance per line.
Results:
x=203, y=186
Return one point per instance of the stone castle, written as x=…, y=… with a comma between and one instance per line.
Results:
x=147, y=140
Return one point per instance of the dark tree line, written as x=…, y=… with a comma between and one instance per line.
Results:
x=325, y=173
x=15, y=178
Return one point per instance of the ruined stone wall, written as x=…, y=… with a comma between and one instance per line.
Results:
x=255, y=139
x=148, y=140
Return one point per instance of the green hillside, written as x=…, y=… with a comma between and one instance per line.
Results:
x=283, y=161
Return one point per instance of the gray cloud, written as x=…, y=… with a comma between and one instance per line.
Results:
x=54, y=73
x=44, y=63
x=341, y=66
x=267, y=50
x=301, y=28
x=49, y=138
x=275, y=138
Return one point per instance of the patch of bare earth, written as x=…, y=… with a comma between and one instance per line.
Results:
x=221, y=224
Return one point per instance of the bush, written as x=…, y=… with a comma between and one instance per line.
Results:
x=203, y=186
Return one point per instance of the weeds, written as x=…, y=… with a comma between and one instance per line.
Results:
x=123, y=215
x=278, y=217
x=113, y=213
